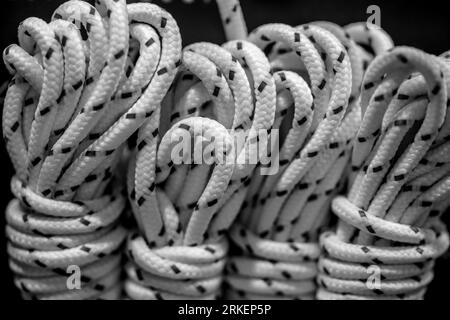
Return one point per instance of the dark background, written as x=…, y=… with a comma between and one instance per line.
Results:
x=424, y=24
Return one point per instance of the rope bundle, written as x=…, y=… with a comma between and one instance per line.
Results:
x=399, y=185
x=175, y=259
x=82, y=85
x=202, y=202
x=284, y=213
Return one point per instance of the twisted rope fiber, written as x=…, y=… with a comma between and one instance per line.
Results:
x=68, y=111
x=399, y=183
x=283, y=213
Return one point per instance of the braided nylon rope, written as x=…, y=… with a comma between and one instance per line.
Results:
x=331, y=96
x=399, y=184
x=68, y=111
x=284, y=213
x=231, y=15
x=202, y=203
x=194, y=204
x=177, y=260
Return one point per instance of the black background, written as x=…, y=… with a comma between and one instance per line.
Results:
x=424, y=24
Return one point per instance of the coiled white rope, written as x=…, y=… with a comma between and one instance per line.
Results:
x=177, y=260
x=399, y=184
x=226, y=87
x=65, y=147
x=237, y=89
x=67, y=113
x=284, y=213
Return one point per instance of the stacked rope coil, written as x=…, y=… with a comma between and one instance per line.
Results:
x=82, y=84
x=172, y=258
x=231, y=84
x=389, y=232
x=283, y=214
x=212, y=84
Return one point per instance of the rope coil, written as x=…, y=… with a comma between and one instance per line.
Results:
x=68, y=111
x=389, y=221
x=216, y=82
x=283, y=214
x=179, y=260
x=104, y=87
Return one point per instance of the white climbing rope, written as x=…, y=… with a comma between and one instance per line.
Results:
x=390, y=218
x=283, y=214
x=82, y=85
x=232, y=19
x=177, y=260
